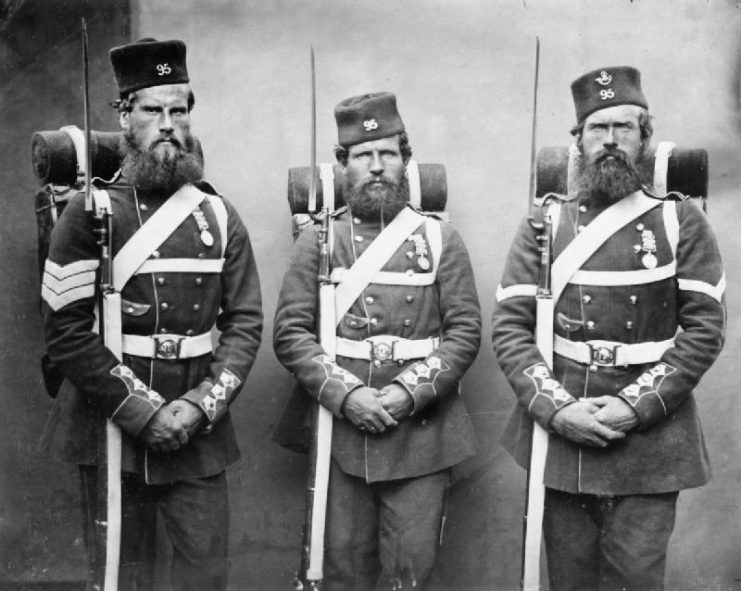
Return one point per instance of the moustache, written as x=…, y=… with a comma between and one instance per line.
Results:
x=615, y=153
x=168, y=140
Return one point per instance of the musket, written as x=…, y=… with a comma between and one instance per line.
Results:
x=535, y=496
x=312, y=566
x=108, y=519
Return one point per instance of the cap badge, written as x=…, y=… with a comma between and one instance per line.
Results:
x=163, y=69
x=605, y=94
x=604, y=78
x=370, y=124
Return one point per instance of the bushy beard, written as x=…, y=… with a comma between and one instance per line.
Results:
x=608, y=179
x=161, y=170
x=378, y=203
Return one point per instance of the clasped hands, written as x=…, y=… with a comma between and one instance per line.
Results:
x=375, y=410
x=172, y=426
x=595, y=422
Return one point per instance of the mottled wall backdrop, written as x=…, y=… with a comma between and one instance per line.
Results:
x=462, y=71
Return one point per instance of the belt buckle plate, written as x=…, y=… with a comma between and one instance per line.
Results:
x=382, y=351
x=167, y=347
x=603, y=355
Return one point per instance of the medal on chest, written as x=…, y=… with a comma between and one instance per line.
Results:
x=420, y=251
x=206, y=237
x=647, y=247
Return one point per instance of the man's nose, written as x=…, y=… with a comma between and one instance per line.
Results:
x=610, y=137
x=376, y=165
x=166, y=122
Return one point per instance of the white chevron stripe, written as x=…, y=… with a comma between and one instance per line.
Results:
x=714, y=291
x=59, y=286
x=526, y=290
x=57, y=301
x=62, y=271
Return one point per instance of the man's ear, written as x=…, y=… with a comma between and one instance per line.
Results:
x=123, y=120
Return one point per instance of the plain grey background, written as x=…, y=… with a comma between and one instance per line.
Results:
x=463, y=75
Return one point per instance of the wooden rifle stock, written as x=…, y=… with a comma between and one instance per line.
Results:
x=108, y=502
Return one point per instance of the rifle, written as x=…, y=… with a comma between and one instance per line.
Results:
x=108, y=502
x=312, y=560
x=535, y=496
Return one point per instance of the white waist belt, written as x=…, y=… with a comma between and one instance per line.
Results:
x=167, y=346
x=610, y=353
x=383, y=347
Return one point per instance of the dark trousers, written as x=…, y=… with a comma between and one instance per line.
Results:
x=383, y=535
x=596, y=543
x=195, y=514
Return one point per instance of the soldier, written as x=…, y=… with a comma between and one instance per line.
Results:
x=402, y=348
x=170, y=394
x=639, y=320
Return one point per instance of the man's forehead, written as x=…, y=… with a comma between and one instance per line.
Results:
x=615, y=113
x=379, y=144
x=166, y=93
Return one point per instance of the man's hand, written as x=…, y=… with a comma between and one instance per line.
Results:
x=363, y=408
x=397, y=401
x=164, y=431
x=577, y=423
x=189, y=414
x=615, y=413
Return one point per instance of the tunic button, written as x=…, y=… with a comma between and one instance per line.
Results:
x=143, y=206
x=410, y=255
x=586, y=299
x=634, y=299
x=160, y=280
x=201, y=255
x=580, y=228
x=356, y=220
x=640, y=227
x=593, y=368
x=407, y=322
x=409, y=299
x=369, y=299
x=164, y=305
x=190, y=332
x=629, y=325
x=590, y=325
x=377, y=363
x=353, y=323
x=583, y=208
x=636, y=248
x=196, y=307
x=199, y=280
x=374, y=321
x=130, y=310
x=156, y=254
x=358, y=238
x=410, y=272
x=163, y=330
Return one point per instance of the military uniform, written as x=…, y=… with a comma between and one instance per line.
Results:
x=642, y=319
x=192, y=282
x=425, y=299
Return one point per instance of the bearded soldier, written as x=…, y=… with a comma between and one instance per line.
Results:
x=638, y=287
x=187, y=266
x=402, y=347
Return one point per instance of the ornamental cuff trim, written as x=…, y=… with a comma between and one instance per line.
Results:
x=336, y=375
x=136, y=387
x=215, y=403
x=424, y=374
x=648, y=383
x=546, y=386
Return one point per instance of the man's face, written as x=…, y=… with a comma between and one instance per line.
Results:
x=159, y=120
x=373, y=164
x=610, y=129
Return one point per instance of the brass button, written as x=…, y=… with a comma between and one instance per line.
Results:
x=356, y=220
x=165, y=306
x=640, y=227
x=629, y=325
x=369, y=299
x=143, y=206
x=130, y=310
x=407, y=322
x=586, y=299
x=410, y=255
x=196, y=307
x=374, y=321
x=409, y=299
x=583, y=208
x=591, y=325
x=358, y=238
x=634, y=299
x=190, y=332
x=593, y=368
x=636, y=248
x=201, y=255
x=410, y=272
x=163, y=330
x=160, y=280
x=377, y=363
x=199, y=280
x=580, y=228
x=156, y=254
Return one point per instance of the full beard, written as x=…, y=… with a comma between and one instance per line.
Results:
x=377, y=203
x=158, y=170
x=608, y=179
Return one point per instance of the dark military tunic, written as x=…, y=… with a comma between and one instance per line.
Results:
x=622, y=296
x=187, y=288
x=439, y=433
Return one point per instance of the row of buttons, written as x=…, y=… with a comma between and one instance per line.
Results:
x=587, y=299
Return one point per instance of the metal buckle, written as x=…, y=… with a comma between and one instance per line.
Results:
x=167, y=347
x=602, y=355
x=381, y=351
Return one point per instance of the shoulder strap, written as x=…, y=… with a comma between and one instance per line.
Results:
x=357, y=277
x=217, y=204
x=154, y=232
x=594, y=235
